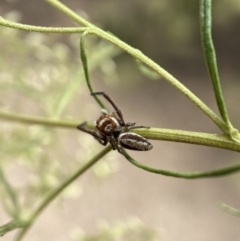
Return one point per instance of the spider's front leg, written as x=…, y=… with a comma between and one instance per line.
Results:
x=132, y=125
x=137, y=127
x=119, y=112
x=100, y=138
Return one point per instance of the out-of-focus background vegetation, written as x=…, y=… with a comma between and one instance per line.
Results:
x=41, y=74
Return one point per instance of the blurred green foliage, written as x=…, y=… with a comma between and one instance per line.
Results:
x=41, y=75
x=132, y=230
x=35, y=70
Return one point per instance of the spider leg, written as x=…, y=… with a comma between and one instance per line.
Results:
x=101, y=139
x=114, y=143
x=129, y=124
x=137, y=127
x=119, y=112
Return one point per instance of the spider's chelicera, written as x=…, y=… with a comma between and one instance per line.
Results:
x=113, y=129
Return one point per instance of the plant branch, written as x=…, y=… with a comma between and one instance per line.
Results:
x=32, y=28
x=11, y=226
x=67, y=11
x=187, y=175
x=26, y=119
x=55, y=193
x=229, y=209
x=85, y=68
x=11, y=193
x=205, y=139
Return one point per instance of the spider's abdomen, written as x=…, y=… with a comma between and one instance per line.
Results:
x=108, y=125
x=134, y=141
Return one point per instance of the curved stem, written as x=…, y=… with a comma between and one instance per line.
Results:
x=187, y=175
x=55, y=193
x=85, y=68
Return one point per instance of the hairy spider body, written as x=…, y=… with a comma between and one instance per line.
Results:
x=113, y=129
x=108, y=125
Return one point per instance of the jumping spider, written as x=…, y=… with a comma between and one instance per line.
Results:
x=113, y=129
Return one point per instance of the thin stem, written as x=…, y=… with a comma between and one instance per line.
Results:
x=210, y=57
x=85, y=67
x=10, y=24
x=229, y=209
x=205, y=139
x=99, y=56
x=67, y=11
x=55, y=193
x=11, y=226
x=11, y=193
x=197, y=138
x=187, y=175
x=25, y=119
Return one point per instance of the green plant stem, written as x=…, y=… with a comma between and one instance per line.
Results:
x=55, y=193
x=190, y=137
x=31, y=28
x=85, y=67
x=25, y=119
x=229, y=209
x=11, y=193
x=99, y=56
x=187, y=175
x=210, y=56
x=67, y=11
x=205, y=139
x=11, y=226
x=144, y=59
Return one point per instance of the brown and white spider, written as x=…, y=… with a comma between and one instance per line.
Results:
x=113, y=129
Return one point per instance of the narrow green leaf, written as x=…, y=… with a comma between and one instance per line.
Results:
x=210, y=58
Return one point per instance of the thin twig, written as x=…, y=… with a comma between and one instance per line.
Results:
x=58, y=190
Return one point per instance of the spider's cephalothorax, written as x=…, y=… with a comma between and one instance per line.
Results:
x=113, y=129
x=108, y=124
